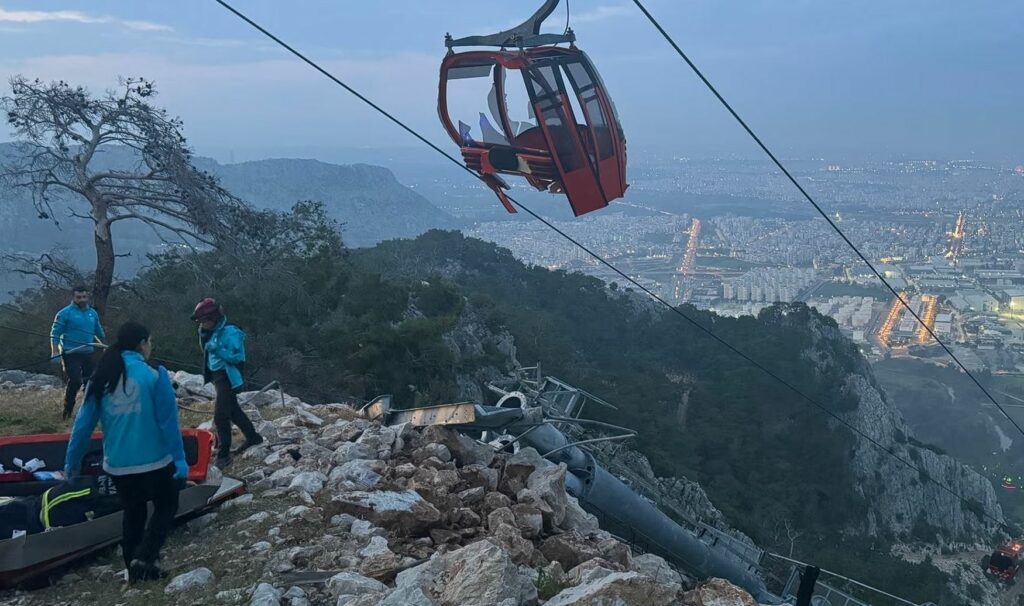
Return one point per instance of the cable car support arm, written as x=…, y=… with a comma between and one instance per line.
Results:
x=524, y=35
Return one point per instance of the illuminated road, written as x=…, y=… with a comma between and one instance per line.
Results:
x=928, y=316
x=688, y=264
x=890, y=320
x=956, y=237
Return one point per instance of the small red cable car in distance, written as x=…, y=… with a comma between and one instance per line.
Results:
x=567, y=141
x=1004, y=563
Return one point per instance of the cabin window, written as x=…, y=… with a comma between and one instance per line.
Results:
x=587, y=94
x=548, y=91
x=1000, y=561
x=472, y=103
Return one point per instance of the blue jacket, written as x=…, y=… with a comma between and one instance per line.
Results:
x=74, y=330
x=224, y=350
x=140, y=423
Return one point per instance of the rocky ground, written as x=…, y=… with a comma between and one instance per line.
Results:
x=963, y=565
x=341, y=510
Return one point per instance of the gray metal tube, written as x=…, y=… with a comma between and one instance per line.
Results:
x=626, y=513
x=573, y=485
x=548, y=438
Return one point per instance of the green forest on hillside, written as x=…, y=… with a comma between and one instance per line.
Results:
x=739, y=419
x=328, y=321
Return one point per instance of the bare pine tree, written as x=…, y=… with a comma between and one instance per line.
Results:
x=51, y=270
x=62, y=132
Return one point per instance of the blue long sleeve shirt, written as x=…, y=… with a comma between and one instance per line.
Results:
x=224, y=349
x=74, y=329
x=140, y=423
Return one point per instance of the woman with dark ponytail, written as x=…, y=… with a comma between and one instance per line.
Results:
x=142, y=447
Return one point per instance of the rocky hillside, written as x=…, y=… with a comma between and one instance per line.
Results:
x=432, y=320
x=945, y=408
x=703, y=413
x=903, y=502
x=341, y=510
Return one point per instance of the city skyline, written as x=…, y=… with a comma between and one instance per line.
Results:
x=946, y=235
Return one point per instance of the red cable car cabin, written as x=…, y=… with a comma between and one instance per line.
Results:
x=568, y=141
x=1004, y=563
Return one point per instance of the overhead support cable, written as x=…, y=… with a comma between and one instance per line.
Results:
x=817, y=207
x=600, y=259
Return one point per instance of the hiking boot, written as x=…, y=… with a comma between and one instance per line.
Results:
x=222, y=462
x=140, y=571
x=247, y=444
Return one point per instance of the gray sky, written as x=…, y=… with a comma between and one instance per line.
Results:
x=916, y=78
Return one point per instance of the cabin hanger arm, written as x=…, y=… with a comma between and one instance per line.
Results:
x=524, y=35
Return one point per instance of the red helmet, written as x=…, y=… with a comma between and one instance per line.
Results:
x=207, y=309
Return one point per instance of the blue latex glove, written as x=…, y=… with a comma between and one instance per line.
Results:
x=180, y=470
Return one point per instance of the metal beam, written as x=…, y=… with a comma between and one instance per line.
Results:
x=444, y=414
x=524, y=35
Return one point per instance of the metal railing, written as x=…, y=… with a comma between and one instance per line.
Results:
x=824, y=595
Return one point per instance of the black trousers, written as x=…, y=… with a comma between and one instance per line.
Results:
x=227, y=411
x=142, y=541
x=78, y=369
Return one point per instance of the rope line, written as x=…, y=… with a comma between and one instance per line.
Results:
x=597, y=257
x=820, y=211
x=169, y=361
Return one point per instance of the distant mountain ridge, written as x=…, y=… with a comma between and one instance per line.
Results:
x=368, y=200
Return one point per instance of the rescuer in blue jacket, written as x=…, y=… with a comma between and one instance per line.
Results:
x=76, y=330
x=223, y=358
x=142, y=447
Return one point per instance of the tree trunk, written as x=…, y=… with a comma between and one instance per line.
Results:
x=104, y=276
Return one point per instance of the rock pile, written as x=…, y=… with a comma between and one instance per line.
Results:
x=348, y=512
x=19, y=378
x=428, y=517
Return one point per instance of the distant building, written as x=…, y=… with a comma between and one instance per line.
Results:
x=977, y=301
x=1000, y=277
x=1014, y=299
